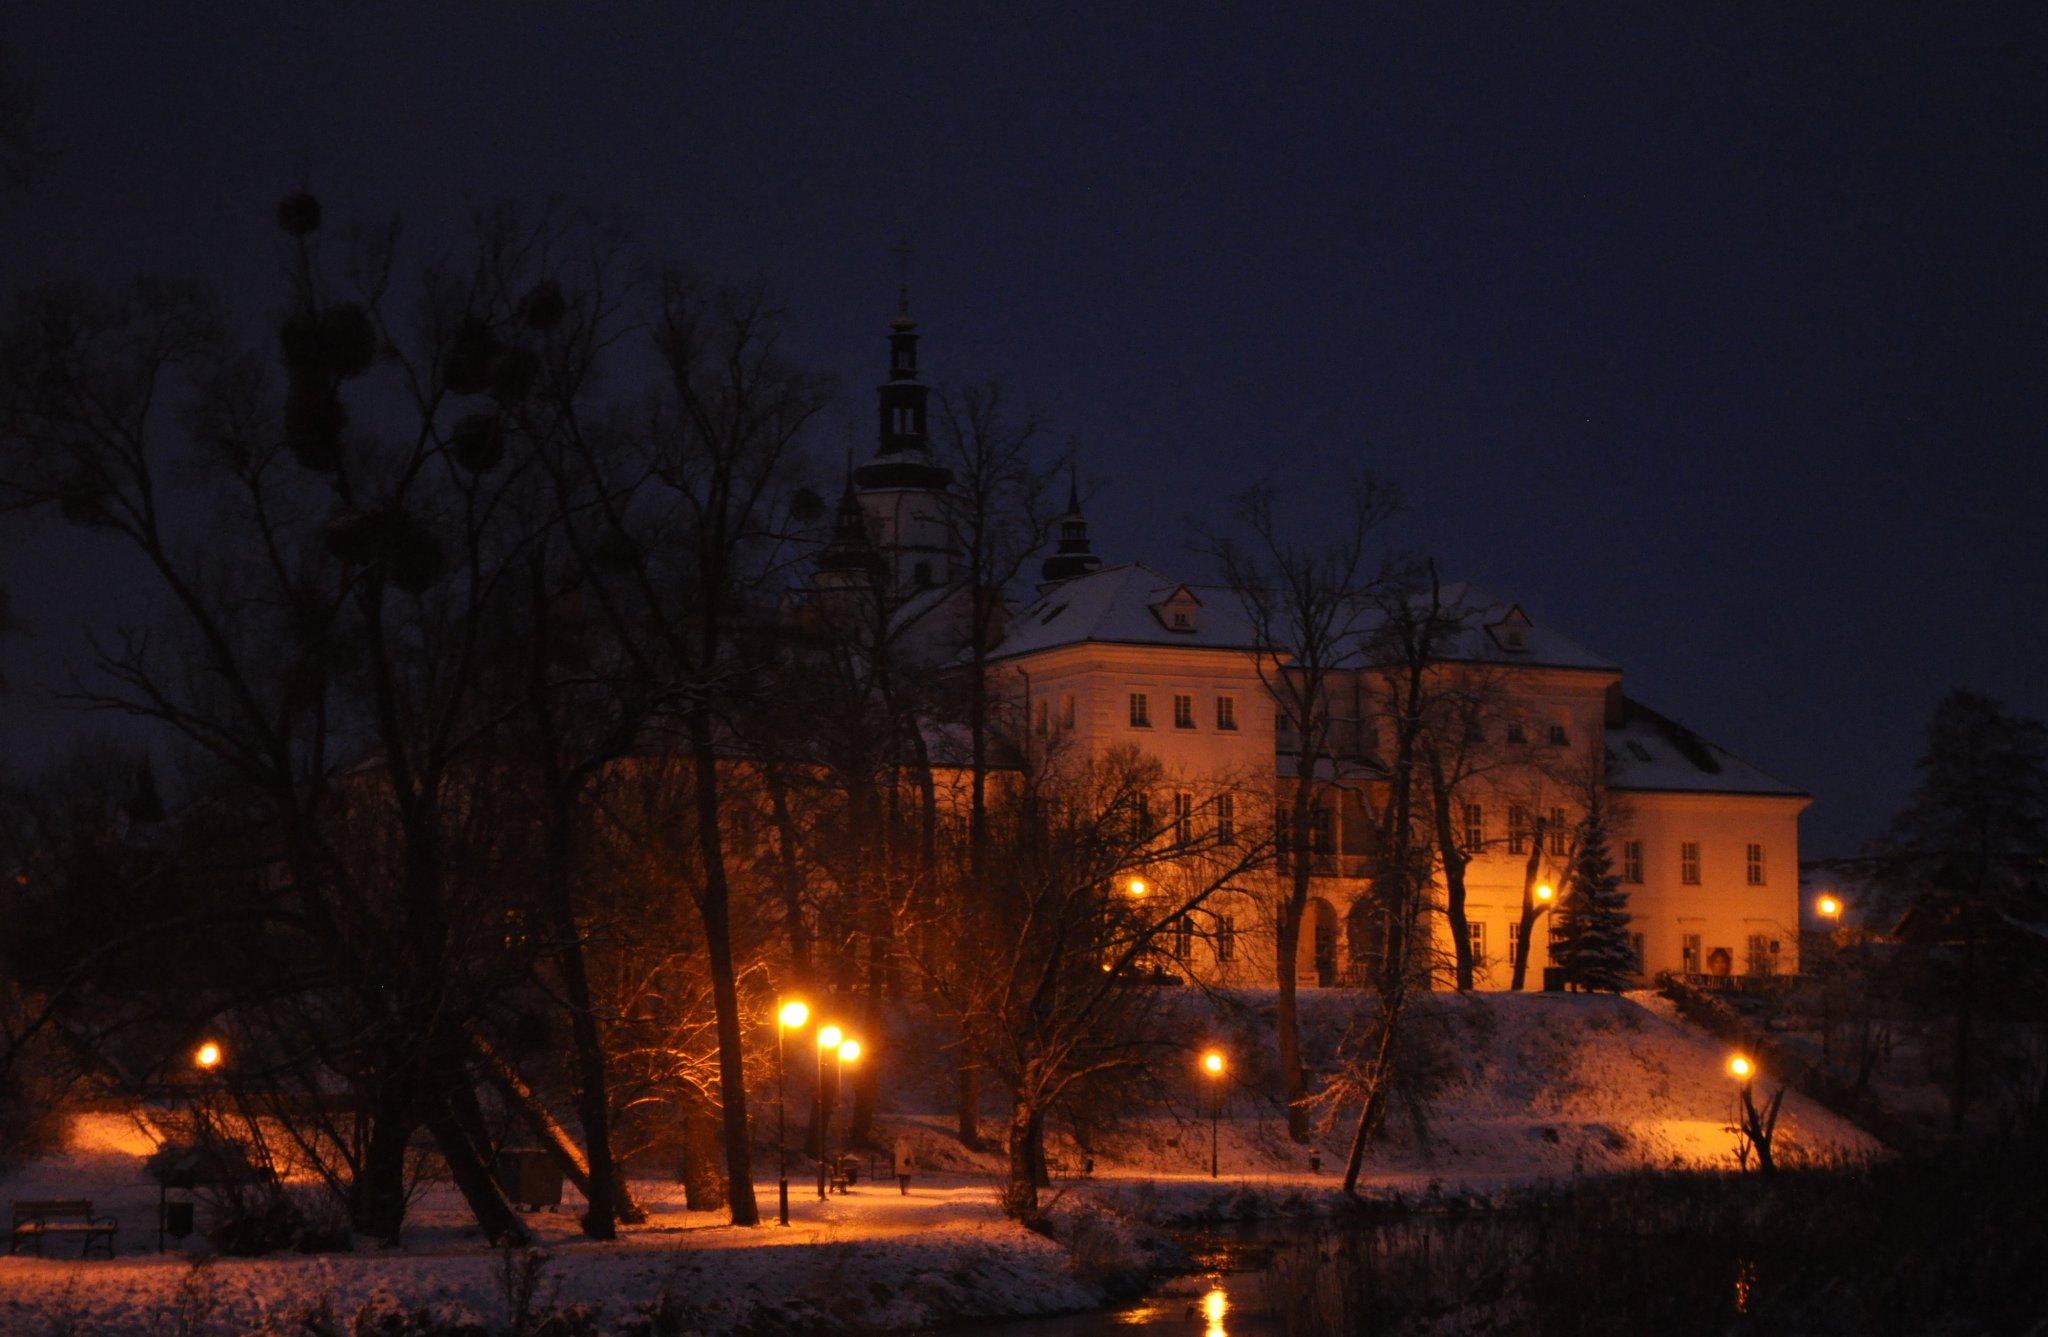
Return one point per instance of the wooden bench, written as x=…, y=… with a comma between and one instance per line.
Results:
x=36, y=1218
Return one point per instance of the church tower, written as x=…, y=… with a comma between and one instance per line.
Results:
x=905, y=492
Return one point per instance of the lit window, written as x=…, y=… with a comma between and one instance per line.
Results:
x=1753, y=865
x=1226, y=938
x=1560, y=834
x=1226, y=712
x=1183, y=817
x=1183, y=711
x=1226, y=819
x=1632, y=861
x=1518, y=829
x=1689, y=863
x=1475, y=827
x=1141, y=711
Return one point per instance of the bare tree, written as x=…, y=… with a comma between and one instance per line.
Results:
x=1309, y=607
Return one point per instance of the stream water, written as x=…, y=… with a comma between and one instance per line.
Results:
x=1228, y=1295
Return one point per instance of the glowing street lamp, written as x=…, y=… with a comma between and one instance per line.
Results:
x=1545, y=892
x=207, y=1057
x=1137, y=888
x=1212, y=1063
x=1829, y=907
x=1741, y=1068
x=789, y=1017
x=848, y=1051
x=828, y=1038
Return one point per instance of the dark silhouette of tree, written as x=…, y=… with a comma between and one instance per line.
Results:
x=1966, y=864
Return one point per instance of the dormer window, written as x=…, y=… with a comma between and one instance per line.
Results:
x=1511, y=633
x=1179, y=611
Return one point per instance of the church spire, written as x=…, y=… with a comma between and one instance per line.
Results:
x=849, y=557
x=904, y=458
x=1074, y=556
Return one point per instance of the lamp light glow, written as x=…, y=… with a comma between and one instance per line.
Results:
x=1829, y=906
x=1741, y=1067
x=1544, y=891
x=793, y=1014
x=829, y=1037
x=1213, y=1061
x=1136, y=886
x=849, y=1051
x=207, y=1055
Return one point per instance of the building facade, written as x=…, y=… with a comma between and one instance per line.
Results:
x=1124, y=656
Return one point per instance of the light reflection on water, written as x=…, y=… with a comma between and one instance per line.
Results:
x=1216, y=1305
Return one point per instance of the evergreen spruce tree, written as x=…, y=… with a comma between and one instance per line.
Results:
x=1592, y=925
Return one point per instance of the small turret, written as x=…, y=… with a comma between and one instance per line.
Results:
x=1074, y=556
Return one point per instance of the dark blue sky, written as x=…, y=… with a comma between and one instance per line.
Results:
x=1716, y=335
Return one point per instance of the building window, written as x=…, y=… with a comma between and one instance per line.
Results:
x=1632, y=861
x=1183, y=937
x=1518, y=829
x=1141, y=711
x=1514, y=939
x=1226, y=938
x=1759, y=962
x=1557, y=736
x=1226, y=713
x=1753, y=865
x=1067, y=711
x=1517, y=735
x=1476, y=932
x=1475, y=827
x=1689, y=956
x=1184, y=817
x=1183, y=711
x=1226, y=819
x=1635, y=947
x=1560, y=833
x=1689, y=863
x=1039, y=716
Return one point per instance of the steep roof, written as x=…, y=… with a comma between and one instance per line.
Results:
x=1649, y=752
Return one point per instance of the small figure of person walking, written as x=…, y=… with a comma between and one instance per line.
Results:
x=904, y=1164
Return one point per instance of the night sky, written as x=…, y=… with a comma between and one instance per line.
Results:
x=1716, y=336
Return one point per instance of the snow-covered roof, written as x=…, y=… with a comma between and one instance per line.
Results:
x=1650, y=752
x=1120, y=605
x=1125, y=605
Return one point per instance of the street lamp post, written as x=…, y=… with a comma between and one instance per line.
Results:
x=788, y=1017
x=828, y=1038
x=849, y=1050
x=1212, y=1063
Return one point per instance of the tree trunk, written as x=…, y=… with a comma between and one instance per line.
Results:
x=715, y=908
x=495, y=1216
x=377, y=1197
x=1378, y=1088
x=1287, y=1022
x=1531, y=871
x=967, y=1094
x=1454, y=861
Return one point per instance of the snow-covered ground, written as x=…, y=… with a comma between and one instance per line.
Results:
x=1535, y=1087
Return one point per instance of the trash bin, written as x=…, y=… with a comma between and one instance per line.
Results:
x=1553, y=979
x=178, y=1219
